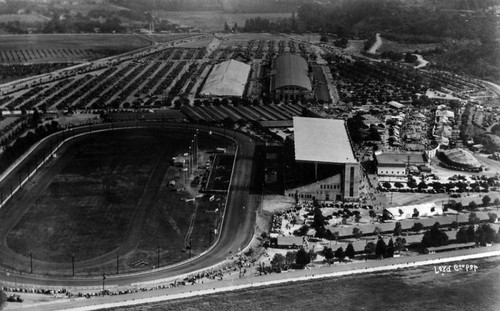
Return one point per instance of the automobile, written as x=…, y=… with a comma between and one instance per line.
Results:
x=15, y=298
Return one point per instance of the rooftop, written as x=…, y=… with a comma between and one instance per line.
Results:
x=291, y=70
x=322, y=140
x=227, y=79
x=401, y=158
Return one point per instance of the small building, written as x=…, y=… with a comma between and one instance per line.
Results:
x=290, y=241
x=397, y=163
x=450, y=247
x=405, y=212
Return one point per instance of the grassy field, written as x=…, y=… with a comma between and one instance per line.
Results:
x=65, y=47
x=411, y=290
x=213, y=21
x=110, y=193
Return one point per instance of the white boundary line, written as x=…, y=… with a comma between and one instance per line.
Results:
x=213, y=290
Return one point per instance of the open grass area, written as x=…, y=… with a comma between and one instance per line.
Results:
x=214, y=21
x=413, y=290
x=111, y=193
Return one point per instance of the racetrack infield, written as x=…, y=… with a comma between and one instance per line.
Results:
x=107, y=194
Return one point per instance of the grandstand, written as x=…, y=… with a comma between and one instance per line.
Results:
x=324, y=167
x=289, y=78
x=227, y=79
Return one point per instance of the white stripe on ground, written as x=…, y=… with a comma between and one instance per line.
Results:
x=312, y=276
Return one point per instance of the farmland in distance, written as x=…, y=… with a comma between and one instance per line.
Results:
x=47, y=48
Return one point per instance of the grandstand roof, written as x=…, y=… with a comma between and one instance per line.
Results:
x=322, y=140
x=291, y=70
x=227, y=79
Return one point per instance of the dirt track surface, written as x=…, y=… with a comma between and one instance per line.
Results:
x=236, y=231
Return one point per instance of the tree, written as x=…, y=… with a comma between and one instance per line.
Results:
x=493, y=217
x=486, y=200
x=473, y=219
x=422, y=185
x=357, y=217
x=462, y=236
x=278, y=262
x=302, y=258
x=328, y=254
x=302, y=230
x=377, y=231
x=390, y=248
x=357, y=232
x=372, y=214
x=415, y=213
x=349, y=251
x=398, y=185
x=400, y=244
x=290, y=257
x=398, y=229
x=380, y=248
x=412, y=183
x=319, y=219
x=417, y=227
x=387, y=185
x=369, y=249
x=472, y=205
x=471, y=233
x=496, y=202
x=458, y=207
x=485, y=234
x=339, y=253
x=434, y=237
x=226, y=27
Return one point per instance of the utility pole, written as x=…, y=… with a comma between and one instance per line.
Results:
x=103, y=280
x=158, y=256
x=190, y=247
x=117, y=263
x=31, y=261
x=73, y=263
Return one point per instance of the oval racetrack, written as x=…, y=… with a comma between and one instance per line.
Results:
x=236, y=232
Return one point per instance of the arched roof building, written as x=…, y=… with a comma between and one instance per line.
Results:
x=290, y=77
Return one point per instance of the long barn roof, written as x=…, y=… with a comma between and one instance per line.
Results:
x=291, y=70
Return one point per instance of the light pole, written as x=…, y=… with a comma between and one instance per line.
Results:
x=103, y=280
x=158, y=256
x=117, y=263
x=31, y=261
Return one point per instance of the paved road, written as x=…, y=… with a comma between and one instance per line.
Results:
x=236, y=232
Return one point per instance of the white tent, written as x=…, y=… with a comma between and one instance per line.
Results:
x=227, y=79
